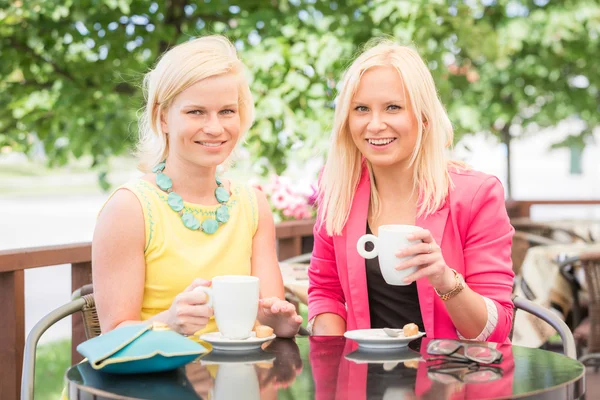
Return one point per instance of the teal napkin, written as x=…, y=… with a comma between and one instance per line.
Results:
x=139, y=348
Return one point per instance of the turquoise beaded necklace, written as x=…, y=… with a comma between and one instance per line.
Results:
x=175, y=201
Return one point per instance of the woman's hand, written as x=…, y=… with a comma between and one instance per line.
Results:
x=429, y=260
x=189, y=312
x=279, y=315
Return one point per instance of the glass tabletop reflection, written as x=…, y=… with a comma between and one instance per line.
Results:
x=320, y=367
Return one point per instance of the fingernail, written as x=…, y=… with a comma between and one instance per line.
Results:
x=400, y=253
x=410, y=236
x=406, y=280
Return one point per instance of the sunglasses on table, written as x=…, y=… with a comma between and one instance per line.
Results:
x=478, y=353
x=463, y=373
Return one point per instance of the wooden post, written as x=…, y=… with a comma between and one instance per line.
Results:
x=81, y=274
x=289, y=247
x=524, y=209
x=289, y=237
x=12, y=333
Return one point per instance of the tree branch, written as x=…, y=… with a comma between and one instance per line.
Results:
x=174, y=16
x=213, y=17
x=64, y=73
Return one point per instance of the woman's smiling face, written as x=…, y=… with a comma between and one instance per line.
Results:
x=381, y=121
x=203, y=122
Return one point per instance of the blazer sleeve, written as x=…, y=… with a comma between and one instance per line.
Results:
x=325, y=294
x=487, y=253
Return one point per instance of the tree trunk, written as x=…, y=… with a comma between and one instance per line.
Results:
x=506, y=139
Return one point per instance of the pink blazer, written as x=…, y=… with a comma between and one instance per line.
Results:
x=474, y=233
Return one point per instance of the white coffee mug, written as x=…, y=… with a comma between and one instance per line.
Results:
x=391, y=239
x=234, y=299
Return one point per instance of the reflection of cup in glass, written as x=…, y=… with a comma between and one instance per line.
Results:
x=398, y=393
x=236, y=381
x=236, y=375
x=234, y=299
x=390, y=240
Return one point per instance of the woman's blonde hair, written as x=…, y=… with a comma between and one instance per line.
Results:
x=343, y=168
x=178, y=69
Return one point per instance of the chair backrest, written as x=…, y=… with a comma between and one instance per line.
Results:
x=568, y=341
x=591, y=265
x=560, y=234
x=82, y=300
x=28, y=373
x=89, y=313
x=522, y=242
x=301, y=259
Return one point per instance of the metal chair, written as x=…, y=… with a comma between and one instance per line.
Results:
x=80, y=302
x=568, y=341
x=590, y=262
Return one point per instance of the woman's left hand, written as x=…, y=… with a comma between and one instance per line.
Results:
x=428, y=259
x=279, y=315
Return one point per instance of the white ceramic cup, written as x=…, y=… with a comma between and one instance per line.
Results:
x=234, y=299
x=391, y=239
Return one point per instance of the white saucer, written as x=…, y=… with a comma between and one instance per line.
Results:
x=252, y=357
x=377, y=339
x=362, y=356
x=220, y=343
x=389, y=360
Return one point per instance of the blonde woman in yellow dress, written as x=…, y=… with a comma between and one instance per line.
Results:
x=179, y=225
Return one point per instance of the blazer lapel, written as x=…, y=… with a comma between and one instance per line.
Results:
x=435, y=223
x=357, y=276
x=356, y=226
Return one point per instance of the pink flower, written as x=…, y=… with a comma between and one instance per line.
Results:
x=280, y=199
x=289, y=200
x=312, y=198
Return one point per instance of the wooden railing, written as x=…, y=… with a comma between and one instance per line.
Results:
x=522, y=208
x=294, y=238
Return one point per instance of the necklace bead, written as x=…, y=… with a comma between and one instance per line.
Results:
x=221, y=194
x=163, y=181
x=175, y=201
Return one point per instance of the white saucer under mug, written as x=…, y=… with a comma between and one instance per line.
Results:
x=377, y=339
x=221, y=343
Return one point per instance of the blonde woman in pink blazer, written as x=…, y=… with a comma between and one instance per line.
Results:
x=388, y=164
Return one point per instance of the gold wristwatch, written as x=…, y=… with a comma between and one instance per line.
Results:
x=460, y=285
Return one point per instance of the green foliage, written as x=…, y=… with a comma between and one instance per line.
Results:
x=52, y=361
x=71, y=70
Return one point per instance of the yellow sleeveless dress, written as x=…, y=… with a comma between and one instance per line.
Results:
x=176, y=255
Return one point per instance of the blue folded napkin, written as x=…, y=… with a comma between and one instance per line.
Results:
x=139, y=348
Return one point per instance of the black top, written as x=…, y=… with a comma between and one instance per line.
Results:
x=390, y=306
